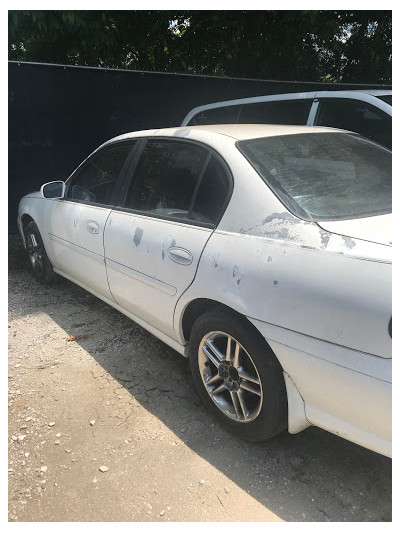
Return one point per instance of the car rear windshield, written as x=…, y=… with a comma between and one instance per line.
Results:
x=324, y=175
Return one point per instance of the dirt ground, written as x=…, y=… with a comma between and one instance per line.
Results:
x=108, y=427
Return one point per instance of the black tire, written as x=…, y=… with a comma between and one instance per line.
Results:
x=266, y=404
x=41, y=267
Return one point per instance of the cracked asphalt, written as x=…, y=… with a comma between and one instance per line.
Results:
x=107, y=426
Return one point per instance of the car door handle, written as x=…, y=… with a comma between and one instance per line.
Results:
x=92, y=226
x=180, y=255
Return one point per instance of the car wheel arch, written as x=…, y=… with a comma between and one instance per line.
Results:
x=25, y=219
x=199, y=306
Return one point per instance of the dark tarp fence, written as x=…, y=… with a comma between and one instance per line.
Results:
x=59, y=114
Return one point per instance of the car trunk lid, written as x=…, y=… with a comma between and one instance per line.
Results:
x=376, y=229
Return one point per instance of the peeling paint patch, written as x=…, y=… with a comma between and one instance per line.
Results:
x=275, y=283
x=282, y=217
x=325, y=236
x=238, y=275
x=138, y=236
x=349, y=243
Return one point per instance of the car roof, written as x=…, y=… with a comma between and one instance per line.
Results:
x=237, y=132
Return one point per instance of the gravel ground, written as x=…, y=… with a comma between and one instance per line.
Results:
x=107, y=427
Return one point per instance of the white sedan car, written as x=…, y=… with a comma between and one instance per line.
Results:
x=263, y=253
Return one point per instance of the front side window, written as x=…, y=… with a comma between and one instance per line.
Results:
x=324, y=175
x=356, y=116
x=95, y=181
x=165, y=178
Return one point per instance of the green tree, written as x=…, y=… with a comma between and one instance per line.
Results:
x=353, y=46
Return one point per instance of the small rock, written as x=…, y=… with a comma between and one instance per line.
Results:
x=149, y=506
x=162, y=512
x=27, y=454
x=57, y=442
x=14, y=437
x=23, y=427
x=226, y=490
x=28, y=419
x=92, y=422
x=21, y=437
x=51, y=424
x=68, y=451
x=202, y=481
x=94, y=480
x=43, y=469
x=58, y=434
x=103, y=468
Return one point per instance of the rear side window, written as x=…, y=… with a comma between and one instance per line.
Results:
x=212, y=193
x=357, y=116
x=165, y=178
x=283, y=112
x=95, y=181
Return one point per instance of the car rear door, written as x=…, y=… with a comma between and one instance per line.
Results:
x=175, y=195
x=76, y=223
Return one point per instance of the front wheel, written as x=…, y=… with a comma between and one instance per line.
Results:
x=41, y=267
x=237, y=376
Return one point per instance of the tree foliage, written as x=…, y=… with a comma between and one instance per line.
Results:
x=348, y=46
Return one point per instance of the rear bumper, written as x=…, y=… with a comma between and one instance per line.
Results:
x=345, y=392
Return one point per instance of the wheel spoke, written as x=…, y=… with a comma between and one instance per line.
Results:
x=211, y=357
x=236, y=403
x=218, y=390
x=249, y=388
x=242, y=404
x=215, y=350
x=236, y=356
x=228, y=349
x=213, y=380
x=247, y=377
x=33, y=240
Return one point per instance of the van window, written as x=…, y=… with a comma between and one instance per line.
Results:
x=283, y=112
x=357, y=116
x=217, y=115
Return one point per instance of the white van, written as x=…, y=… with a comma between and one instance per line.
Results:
x=368, y=112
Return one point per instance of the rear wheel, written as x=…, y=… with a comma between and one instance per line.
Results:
x=237, y=376
x=41, y=267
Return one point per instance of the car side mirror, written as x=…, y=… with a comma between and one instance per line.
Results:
x=53, y=189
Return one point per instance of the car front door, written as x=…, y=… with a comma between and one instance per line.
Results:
x=75, y=224
x=154, y=239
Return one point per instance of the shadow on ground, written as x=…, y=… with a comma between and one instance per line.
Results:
x=329, y=478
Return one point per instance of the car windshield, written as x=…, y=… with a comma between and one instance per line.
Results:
x=386, y=98
x=324, y=175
